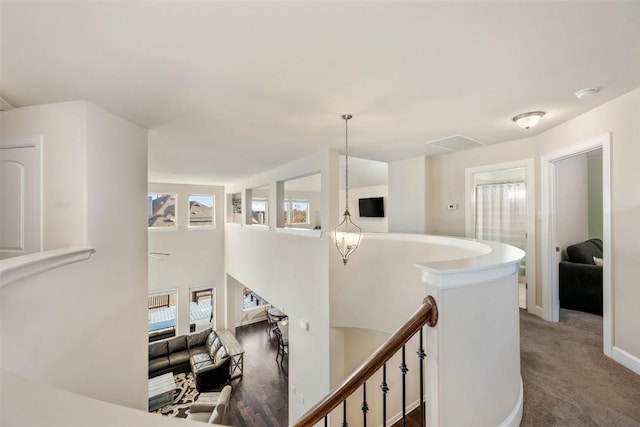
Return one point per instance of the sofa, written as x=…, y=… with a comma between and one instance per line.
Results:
x=212, y=408
x=580, y=279
x=210, y=363
x=202, y=353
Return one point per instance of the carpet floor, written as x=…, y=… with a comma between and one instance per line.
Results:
x=567, y=379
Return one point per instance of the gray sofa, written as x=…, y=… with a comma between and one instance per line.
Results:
x=202, y=353
x=212, y=408
x=580, y=279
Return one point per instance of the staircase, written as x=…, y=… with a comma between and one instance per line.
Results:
x=427, y=314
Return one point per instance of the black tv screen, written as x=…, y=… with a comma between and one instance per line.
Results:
x=372, y=207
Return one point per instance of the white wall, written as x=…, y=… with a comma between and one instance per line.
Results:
x=381, y=277
x=64, y=126
x=359, y=344
x=368, y=225
x=446, y=181
x=196, y=254
x=292, y=272
x=409, y=196
x=618, y=117
x=82, y=327
x=572, y=202
x=34, y=404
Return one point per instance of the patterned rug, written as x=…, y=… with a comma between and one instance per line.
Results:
x=183, y=397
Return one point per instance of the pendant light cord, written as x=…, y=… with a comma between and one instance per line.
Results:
x=346, y=163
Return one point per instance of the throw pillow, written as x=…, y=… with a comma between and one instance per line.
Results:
x=198, y=339
x=597, y=261
x=215, y=345
x=212, y=336
x=221, y=354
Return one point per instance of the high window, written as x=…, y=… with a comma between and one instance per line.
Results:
x=259, y=211
x=201, y=211
x=296, y=212
x=161, y=211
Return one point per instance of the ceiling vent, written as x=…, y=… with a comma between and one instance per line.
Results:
x=456, y=143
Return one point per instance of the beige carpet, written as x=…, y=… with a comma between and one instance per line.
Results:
x=567, y=379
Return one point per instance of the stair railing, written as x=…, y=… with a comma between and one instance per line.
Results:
x=427, y=314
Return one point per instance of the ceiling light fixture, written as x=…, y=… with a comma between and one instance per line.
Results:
x=346, y=235
x=528, y=120
x=587, y=92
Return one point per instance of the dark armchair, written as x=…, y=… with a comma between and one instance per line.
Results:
x=580, y=279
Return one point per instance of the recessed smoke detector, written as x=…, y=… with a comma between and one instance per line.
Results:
x=587, y=92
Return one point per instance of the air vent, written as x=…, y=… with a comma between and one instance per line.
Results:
x=456, y=143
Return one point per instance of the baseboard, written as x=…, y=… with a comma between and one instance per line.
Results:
x=625, y=359
x=536, y=311
x=250, y=322
x=515, y=417
x=397, y=417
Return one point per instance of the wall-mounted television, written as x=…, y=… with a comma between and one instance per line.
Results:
x=372, y=207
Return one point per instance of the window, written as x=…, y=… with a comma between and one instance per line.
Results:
x=201, y=211
x=296, y=212
x=161, y=211
x=201, y=306
x=252, y=300
x=162, y=314
x=234, y=207
x=259, y=211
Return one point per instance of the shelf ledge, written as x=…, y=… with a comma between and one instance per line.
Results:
x=20, y=267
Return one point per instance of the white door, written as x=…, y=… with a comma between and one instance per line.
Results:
x=20, y=196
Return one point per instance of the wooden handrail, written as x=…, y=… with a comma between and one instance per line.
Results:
x=427, y=314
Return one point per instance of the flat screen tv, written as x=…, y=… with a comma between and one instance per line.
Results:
x=372, y=207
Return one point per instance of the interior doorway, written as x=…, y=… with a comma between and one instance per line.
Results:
x=549, y=233
x=500, y=207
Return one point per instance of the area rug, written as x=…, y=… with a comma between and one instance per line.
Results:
x=184, y=396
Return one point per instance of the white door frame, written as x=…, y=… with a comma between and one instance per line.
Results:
x=470, y=218
x=551, y=300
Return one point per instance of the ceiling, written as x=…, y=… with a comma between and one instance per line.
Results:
x=230, y=89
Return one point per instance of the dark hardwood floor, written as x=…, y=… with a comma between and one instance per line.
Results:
x=413, y=419
x=261, y=396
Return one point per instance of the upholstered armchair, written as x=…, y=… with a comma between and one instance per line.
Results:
x=212, y=408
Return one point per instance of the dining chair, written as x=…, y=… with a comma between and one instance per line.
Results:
x=271, y=321
x=283, y=346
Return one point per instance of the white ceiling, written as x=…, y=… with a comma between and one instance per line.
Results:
x=230, y=89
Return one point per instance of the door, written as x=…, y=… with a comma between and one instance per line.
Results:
x=20, y=196
x=500, y=206
x=501, y=216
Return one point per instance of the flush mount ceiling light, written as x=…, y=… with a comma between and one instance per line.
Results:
x=587, y=92
x=527, y=120
x=346, y=235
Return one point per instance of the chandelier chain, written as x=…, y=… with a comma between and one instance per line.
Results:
x=346, y=162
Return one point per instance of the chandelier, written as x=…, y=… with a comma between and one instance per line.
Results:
x=346, y=235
